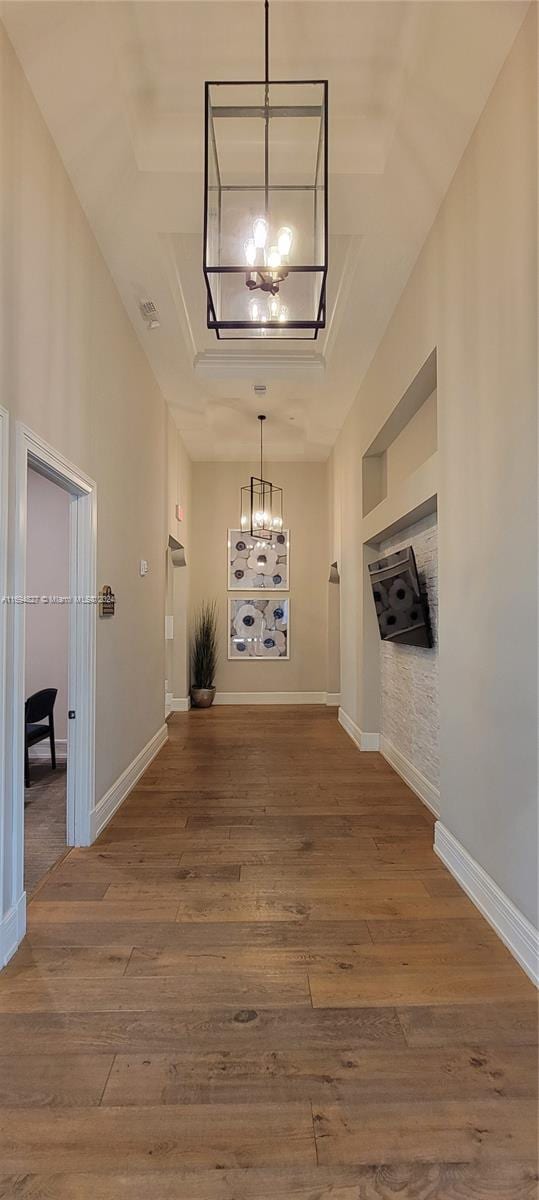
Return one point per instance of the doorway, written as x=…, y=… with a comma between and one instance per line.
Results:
x=46, y=676
x=35, y=457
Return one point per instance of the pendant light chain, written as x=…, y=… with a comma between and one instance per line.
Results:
x=266, y=109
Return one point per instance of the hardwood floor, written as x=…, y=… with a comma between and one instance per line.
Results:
x=261, y=984
x=44, y=820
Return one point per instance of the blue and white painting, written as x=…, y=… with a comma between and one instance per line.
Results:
x=257, y=564
x=258, y=628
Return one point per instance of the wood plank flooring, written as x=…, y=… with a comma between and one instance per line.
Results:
x=261, y=984
x=44, y=820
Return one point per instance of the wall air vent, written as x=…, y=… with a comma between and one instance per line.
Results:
x=149, y=313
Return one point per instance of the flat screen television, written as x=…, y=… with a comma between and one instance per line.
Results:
x=401, y=603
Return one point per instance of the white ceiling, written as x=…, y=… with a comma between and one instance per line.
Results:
x=120, y=86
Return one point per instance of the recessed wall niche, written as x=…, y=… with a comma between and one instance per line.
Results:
x=407, y=440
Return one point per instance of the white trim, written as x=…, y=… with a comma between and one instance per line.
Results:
x=12, y=930
x=245, y=364
x=418, y=782
x=32, y=451
x=42, y=751
x=514, y=929
x=180, y=704
x=363, y=740
x=270, y=697
x=4, y=442
x=125, y=782
x=340, y=302
x=333, y=699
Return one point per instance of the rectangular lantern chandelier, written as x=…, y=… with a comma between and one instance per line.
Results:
x=266, y=206
x=261, y=502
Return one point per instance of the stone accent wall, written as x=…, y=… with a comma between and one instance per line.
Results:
x=409, y=674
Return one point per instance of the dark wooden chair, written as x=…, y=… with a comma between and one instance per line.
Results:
x=39, y=708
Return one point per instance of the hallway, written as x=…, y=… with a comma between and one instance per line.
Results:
x=261, y=984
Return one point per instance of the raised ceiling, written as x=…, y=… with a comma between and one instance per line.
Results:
x=120, y=86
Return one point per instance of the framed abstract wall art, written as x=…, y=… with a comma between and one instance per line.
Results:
x=258, y=628
x=257, y=564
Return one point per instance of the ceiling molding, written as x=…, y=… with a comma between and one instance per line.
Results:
x=178, y=294
x=344, y=289
x=240, y=364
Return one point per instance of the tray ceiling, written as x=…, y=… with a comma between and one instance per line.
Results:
x=120, y=86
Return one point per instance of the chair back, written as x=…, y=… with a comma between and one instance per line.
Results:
x=39, y=706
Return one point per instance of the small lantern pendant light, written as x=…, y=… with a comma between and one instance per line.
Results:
x=266, y=205
x=261, y=502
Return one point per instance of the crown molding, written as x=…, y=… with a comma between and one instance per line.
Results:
x=244, y=364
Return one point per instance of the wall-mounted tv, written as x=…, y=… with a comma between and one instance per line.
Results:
x=401, y=604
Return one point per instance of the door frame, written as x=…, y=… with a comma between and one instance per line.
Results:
x=4, y=494
x=33, y=451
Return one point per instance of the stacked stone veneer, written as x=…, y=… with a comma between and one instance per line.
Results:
x=410, y=715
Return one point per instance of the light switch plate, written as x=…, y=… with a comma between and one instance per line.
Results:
x=143, y=566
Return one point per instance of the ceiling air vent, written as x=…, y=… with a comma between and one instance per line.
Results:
x=149, y=314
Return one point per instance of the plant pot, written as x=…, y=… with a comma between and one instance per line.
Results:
x=202, y=697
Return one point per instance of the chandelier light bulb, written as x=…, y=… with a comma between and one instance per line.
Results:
x=283, y=314
x=260, y=233
x=284, y=241
x=274, y=308
x=250, y=252
x=274, y=258
x=254, y=310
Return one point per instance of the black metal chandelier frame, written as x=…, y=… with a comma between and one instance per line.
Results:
x=268, y=285
x=261, y=499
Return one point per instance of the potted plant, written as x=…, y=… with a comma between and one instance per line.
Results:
x=204, y=655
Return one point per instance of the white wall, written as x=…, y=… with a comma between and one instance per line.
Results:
x=72, y=369
x=178, y=578
x=47, y=574
x=216, y=492
x=473, y=295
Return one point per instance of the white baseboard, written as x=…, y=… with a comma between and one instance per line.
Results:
x=364, y=741
x=180, y=704
x=514, y=929
x=414, y=778
x=42, y=750
x=270, y=698
x=125, y=783
x=12, y=930
x=333, y=699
